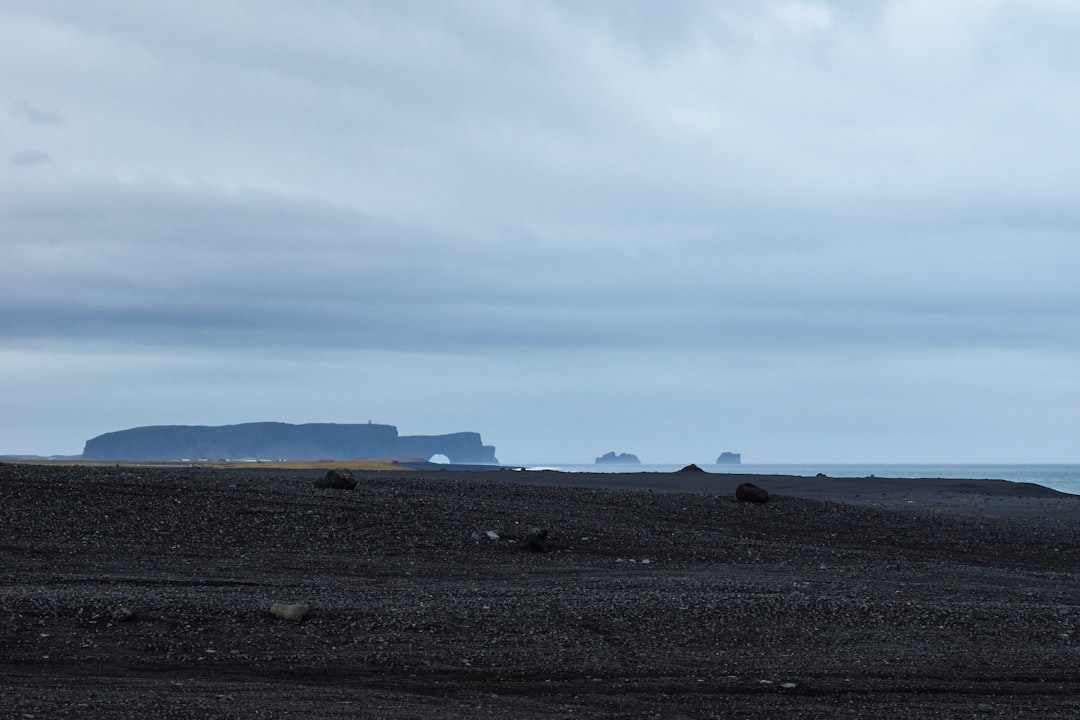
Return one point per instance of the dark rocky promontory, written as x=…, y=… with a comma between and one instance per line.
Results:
x=620, y=459
x=275, y=440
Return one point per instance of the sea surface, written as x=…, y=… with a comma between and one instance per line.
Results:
x=1065, y=478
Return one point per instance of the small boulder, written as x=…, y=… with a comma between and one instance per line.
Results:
x=124, y=614
x=290, y=612
x=537, y=540
x=691, y=468
x=748, y=492
x=339, y=479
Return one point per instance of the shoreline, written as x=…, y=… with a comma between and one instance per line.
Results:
x=999, y=498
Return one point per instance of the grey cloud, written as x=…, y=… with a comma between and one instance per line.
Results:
x=24, y=158
x=173, y=265
x=26, y=112
x=542, y=115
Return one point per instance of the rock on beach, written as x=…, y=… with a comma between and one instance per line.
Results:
x=749, y=492
x=337, y=479
x=290, y=611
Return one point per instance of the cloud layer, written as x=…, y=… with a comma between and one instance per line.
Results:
x=804, y=230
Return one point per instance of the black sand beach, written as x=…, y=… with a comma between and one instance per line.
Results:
x=134, y=592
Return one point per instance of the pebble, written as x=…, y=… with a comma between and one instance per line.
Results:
x=290, y=612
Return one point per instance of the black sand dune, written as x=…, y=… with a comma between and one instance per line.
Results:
x=133, y=593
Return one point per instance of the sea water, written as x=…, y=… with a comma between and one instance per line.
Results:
x=1065, y=478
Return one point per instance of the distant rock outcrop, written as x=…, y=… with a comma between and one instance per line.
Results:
x=729, y=458
x=620, y=459
x=282, y=441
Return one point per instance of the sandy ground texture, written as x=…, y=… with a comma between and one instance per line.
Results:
x=136, y=593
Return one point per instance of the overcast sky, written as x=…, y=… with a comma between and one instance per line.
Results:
x=840, y=231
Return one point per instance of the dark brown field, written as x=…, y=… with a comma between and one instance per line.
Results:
x=130, y=592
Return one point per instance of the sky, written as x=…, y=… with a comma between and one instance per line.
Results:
x=834, y=232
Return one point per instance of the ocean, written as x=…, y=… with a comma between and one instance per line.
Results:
x=1065, y=478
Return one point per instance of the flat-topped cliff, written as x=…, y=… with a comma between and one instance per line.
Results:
x=276, y=440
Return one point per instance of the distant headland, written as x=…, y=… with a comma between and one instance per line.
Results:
x=282, y=441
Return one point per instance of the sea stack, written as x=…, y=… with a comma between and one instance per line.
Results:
x=620, y=459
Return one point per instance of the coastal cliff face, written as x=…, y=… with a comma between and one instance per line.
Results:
x=460, y=448
x=273, y=441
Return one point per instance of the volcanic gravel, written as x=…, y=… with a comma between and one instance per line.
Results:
x=145, y=592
